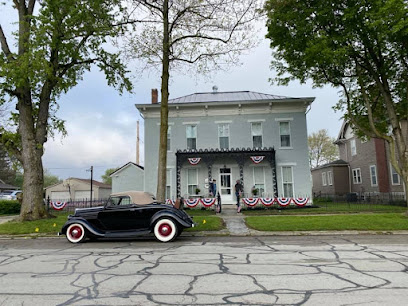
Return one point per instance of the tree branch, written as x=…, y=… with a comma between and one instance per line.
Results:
x=31, y=5
x=4, y=44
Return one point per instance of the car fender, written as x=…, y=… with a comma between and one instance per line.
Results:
x=169, y=214
x=85, y=224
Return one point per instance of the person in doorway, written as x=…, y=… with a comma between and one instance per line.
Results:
x=238, y=191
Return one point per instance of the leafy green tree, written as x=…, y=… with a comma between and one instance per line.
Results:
x=355, y=45
x=106, y=177
x=55, y=44
x=209, y=34
x=7, y=173
x=50, y=179
x=322, y=149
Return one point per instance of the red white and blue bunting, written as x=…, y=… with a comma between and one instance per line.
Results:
x=58, y=205
x=267, y=201
x=208, y=202
x=192, y=202
x=194, y=160
x=284, y=201
x=300, y=201
x=257, y=159
x=169, y=201
x=250, y=201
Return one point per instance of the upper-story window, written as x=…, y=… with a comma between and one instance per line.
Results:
x=191, y=131
x=169, y=138
x=223, y=135
x=284, y=130
x=324, y=179
x=373, y=175
x=356, y=176
x=353, y=147
x=395, y=178
x=256, y=130
x=330, y=178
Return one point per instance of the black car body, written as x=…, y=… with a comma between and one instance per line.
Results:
x=126, y=215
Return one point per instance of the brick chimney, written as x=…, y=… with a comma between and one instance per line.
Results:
x=154, y=96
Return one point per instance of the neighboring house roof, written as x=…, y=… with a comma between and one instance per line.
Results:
x=336, y=163
x=7, y=186
x=86, y=181
x=232, y=96
x=342, y=132
x=125, y=166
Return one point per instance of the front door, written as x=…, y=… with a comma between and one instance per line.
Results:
x=225, y=185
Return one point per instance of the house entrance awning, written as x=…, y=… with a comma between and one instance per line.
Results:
x=240, y=155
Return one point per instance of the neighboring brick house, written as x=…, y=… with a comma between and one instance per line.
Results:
x=367, y=164
x=259, y=139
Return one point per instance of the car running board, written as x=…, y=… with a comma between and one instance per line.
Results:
x=126, y=234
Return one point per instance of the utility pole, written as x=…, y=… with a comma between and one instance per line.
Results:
x=91, y=183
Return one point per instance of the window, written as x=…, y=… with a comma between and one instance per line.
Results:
x=287, y=181
x=353, y=147
x=116, y=201
x=284, y=129
x=356, y=176
x=223, y=135
x=373, y=175
x=256, y=130
x=168, y=184
x=168, y=138
x=192, y=181
x=324, y=181
x=330, y=178
x=395, y=178
x=191, y=137
x=259, y=180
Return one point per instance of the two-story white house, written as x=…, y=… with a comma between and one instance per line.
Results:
x=259, y=139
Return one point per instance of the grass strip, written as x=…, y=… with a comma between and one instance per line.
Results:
x=206, y=223
x=380, y=222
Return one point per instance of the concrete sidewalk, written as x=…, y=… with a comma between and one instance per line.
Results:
x=4, y=219
x=234, y=221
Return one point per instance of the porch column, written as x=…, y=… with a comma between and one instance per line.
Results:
x=178, y=174
x=272, y=162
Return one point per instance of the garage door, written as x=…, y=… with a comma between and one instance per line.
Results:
x=84, y=194
x=60, y=195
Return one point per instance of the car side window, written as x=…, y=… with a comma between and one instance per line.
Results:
x=116, y=201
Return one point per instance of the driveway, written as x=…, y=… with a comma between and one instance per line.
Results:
x=281, y=270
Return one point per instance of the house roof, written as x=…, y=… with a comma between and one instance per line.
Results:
x=95, y=183
x=230, y=96
x=336, y=163
x=7, y=186
x=125, y=166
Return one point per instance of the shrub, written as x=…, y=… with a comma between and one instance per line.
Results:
x=9, y=207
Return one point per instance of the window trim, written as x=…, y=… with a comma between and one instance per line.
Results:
x=330, y=178
x=196, y=170
x=263, y=172
x=219, y=137
x=192, y=138
x=252, y=135
x=292, y=182
x=290, y=136
x=324, y=179
x=359, y=171
x=169, y=138
x=353, y=145
x=391, y=174
x=371, y=176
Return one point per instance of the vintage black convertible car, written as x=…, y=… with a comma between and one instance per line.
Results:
x=126, y=215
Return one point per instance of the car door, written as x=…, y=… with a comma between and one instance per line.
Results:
x=119, y=214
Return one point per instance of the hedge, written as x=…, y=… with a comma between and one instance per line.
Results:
x=9, y=207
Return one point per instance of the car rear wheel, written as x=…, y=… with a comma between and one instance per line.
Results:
x=76, y=233
x=165, y=230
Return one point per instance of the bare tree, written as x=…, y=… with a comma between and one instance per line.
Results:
x=209, y=34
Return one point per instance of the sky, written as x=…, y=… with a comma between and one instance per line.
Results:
x=101, y=124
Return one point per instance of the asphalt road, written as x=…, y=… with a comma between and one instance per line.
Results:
x=270, y=270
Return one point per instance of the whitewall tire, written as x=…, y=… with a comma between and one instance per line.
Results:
x=76, y=233
x=165, y=230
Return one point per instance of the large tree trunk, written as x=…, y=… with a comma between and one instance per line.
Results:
x=164, y=110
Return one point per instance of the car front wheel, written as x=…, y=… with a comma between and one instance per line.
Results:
x=76, y=233
x=165, y=230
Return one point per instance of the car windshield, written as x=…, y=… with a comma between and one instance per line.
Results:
x=115, y=201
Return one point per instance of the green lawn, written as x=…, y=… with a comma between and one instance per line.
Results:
x=380, y=222
x=54, y=225
x=327, y=208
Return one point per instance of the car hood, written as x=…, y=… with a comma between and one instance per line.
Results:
x=85, y=211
